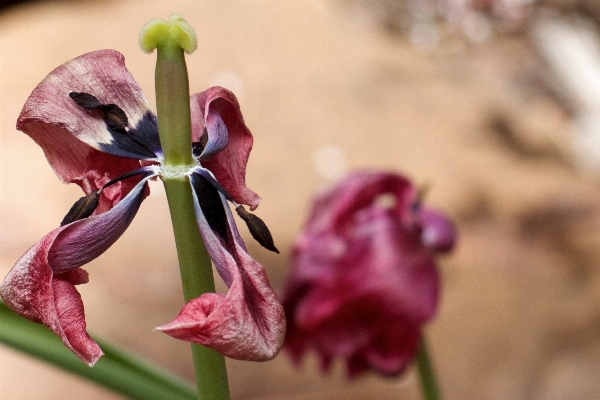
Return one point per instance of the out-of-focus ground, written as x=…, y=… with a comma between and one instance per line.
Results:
x=325, y=90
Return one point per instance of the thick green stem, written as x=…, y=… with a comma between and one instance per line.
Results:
x=426, y=373
x=175, y=129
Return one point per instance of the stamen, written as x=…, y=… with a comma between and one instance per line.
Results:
x=117, y=121
x=218, y=186
x=85, y=100
x=83, y=208
x=114, y=116
x=152, y=169
x=258, y=229
x=198, y=147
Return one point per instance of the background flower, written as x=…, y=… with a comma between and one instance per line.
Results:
x=363, y=279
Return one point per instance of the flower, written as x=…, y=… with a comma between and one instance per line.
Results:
x=363, y=279
x=96, y=129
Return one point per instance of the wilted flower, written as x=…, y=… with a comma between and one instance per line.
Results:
x=363, y=279
x=96, y=129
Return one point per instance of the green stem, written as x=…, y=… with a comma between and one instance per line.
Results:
x=117, y=370
x=197, y=278
x=173, y=104
x=174, y=123
x=426, y=373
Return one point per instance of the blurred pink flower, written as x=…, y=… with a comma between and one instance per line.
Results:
x=363, y=279
x=96, y=129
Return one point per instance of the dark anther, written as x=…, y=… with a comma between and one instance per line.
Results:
x=258, y=229
x=198, y=147
x=83, y=208
x=85, y=100
x=114, y=116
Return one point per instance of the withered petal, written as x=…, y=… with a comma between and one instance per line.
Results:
x=229, y=141
x=102, y=75
x=40, y=285
x=246, y=323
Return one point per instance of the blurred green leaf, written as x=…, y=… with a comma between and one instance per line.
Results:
x=118, y=370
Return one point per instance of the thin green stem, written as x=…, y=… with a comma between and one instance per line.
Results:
x=426, y=373
x=174, y=124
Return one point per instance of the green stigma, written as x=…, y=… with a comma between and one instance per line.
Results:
x=158, y=32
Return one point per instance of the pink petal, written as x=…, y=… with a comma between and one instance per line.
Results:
x=70, y=135
x=229, y=141
x=40, y=285
x=248, y=322
x=54, y=120
x=32, y=292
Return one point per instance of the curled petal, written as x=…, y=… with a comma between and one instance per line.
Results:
x=53, y=119
x=246, y=323
x=34, y=292
x=229, y=141
x=439, y=232
x=334, y=207
x=40, y=286
x=82, y=241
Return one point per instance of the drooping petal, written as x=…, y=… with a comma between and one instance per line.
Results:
x=52, y=118
x=229, y=141
x=40, y=285
x=82, y=241
x=31, y=290
x=246, y=323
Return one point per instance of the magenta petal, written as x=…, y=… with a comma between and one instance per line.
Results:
x=101, y=168
x=363, y=281
x=248, y=322
x=229, y=141
x=439, y=232
x=40, y=285
x=358, y=190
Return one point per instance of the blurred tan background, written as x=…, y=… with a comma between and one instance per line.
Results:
x=327, y=87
